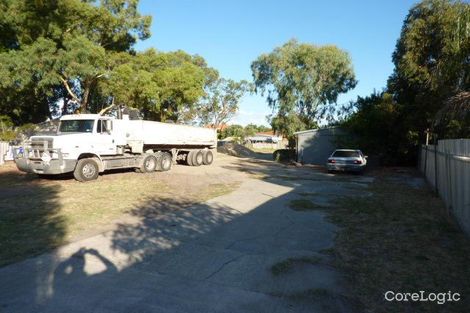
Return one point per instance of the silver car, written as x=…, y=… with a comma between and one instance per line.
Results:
x=346, y=160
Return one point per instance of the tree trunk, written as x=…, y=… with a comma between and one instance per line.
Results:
x=86, y=96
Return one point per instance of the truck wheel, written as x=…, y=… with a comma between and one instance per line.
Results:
x=149, y=164
x=158, y=156
x=208, y=157
x=165, y=162
x=189, y=158
x=86, y=170
x=198, y=158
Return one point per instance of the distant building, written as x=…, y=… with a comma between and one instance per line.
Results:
x=314, y=146
x=264, y=137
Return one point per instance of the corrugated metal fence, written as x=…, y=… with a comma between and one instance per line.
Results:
x=3, y=151
x=447, y=169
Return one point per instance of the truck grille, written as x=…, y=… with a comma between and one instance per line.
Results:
x=42, y=144
x=37, y=146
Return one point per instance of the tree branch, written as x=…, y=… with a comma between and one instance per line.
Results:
x=69, y=90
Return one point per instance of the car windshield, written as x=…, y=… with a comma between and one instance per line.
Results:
x=346, y=154
x=76, y=126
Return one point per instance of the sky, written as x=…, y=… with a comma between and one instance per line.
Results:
x=230, y=35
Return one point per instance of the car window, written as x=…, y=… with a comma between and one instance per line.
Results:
x=346, y=154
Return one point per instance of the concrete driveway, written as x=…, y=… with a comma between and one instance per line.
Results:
x=247, y=251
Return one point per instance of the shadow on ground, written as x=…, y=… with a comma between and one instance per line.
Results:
x=28, y=213
x=177, y=256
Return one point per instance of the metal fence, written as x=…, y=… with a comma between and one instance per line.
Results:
x=3, y=151
x=447, y=169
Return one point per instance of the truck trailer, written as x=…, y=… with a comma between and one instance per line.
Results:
x=89, y=144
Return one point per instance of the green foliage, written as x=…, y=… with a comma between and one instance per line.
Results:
x=377, y=129
x=302, y=83
x=240, y=133
x=6, y=129
x=235, y=131
x=160, y=84
x=53, y=50
x=251, y=129
x=284, y=155
x=431, y=65
x=220, y=102
x=431, y=61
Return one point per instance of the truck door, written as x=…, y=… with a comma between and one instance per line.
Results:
x=105, y=144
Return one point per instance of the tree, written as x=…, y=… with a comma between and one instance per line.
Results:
x=453, y=119
x=251, y=129
x=302, y=82
x=376, y=129
x=235, y=131
x=220, y=102
x=161, y=84
x=431, y=61
x=60, y=49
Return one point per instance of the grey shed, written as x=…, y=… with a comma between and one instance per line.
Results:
x=314, y=146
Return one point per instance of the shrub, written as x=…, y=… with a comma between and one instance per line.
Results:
x=284, y=155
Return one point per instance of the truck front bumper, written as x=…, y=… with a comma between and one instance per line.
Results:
x=52, y=167
x=57, y=165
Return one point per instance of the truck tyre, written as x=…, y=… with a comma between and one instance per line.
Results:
x=198, y=158
x=86, y=170
x=158, y=156
x=149, y=164
x=208, y=157
x=165, y=162
x=189, y=158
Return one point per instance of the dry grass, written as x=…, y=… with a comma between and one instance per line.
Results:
x=39, y=214
x=401, y=239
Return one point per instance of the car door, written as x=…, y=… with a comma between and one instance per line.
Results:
x=105, y=143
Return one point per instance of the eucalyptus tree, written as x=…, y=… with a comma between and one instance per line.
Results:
x=60, y=49
x=302, y=82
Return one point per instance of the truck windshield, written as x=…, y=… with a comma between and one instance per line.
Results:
x=76, y=126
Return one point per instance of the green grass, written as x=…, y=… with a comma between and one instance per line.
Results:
x=401, y=239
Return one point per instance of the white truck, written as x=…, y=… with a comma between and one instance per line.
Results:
x=89, y=144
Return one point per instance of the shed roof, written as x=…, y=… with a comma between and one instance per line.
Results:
x=316, y=130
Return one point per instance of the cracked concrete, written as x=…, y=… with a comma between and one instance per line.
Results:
x=213, y=257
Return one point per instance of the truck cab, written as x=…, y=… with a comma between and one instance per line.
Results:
x=77, y=136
